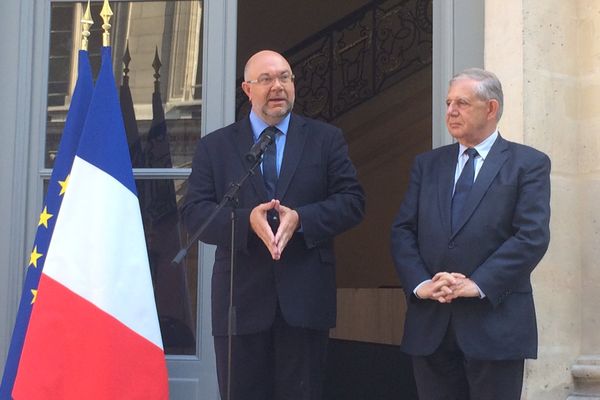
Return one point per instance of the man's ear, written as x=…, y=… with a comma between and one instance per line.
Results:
x=246, y=89
x=493, y=107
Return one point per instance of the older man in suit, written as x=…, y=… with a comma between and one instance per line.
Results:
x=473, y=225
x=304, y=193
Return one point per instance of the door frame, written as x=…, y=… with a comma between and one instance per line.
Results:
x=458, y=43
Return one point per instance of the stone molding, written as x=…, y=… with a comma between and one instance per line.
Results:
x=586, y=376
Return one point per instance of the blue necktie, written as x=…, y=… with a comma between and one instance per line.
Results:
x=269, y=164
x=463, y=187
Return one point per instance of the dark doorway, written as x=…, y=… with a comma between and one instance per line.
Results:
x=367, y=371
x=366, y=67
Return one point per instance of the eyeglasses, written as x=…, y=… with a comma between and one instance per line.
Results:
x=268, y=80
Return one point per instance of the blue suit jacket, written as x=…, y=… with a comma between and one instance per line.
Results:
x=318, y=180
x=504, y=232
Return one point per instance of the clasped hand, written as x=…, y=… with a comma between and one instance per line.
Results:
x=288, y=223
x=447, y=286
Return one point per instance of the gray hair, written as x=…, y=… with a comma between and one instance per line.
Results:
x=488, y=85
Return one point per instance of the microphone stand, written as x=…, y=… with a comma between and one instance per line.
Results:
x=230, y=197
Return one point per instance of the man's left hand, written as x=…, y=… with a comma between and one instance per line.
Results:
x=289, y=220
x=462, y=287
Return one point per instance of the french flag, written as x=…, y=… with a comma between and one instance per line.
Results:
x=94, y=331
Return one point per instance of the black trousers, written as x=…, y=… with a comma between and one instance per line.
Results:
x=448, y=375
x=283, y=363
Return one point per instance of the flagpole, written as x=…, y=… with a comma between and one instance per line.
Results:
x=231, y=198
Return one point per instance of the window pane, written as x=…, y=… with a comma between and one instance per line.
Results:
x=174, y=286
x=62, y=17
x=157, y=49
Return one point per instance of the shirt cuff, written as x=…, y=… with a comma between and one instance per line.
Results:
x=418, y=286
x=481, y=294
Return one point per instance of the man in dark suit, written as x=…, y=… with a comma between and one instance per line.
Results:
x=473, y=225
x=304, y=193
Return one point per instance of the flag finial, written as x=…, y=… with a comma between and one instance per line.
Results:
x=156, y=64
x=126, y=59
x=86, y=23
x=106, y=13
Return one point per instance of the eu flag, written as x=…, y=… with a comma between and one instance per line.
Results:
x=56, y=189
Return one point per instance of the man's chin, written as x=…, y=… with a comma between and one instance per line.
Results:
x=277, y=112
x=455, y=133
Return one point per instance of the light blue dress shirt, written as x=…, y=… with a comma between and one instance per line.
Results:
x=258, y=126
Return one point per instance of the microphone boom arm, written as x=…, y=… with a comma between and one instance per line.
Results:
x=231, y=195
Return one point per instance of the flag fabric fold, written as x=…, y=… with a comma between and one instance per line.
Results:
x=69, y=142
x=94, y=330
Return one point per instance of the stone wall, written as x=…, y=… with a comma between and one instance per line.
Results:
x=547, y=54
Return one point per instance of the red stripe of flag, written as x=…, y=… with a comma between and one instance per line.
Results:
x=88, y=354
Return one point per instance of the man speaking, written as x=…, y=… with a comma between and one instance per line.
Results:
x=304, y=193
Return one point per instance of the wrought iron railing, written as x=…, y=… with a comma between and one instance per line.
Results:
x=359, y=56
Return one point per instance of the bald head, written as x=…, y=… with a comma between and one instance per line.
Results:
x=262, y=57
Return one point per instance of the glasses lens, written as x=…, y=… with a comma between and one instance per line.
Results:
x=267, y=80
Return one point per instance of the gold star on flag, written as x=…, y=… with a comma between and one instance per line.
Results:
x=34, y=295
x=63, y=185
x=44, y=217
x=34, y=257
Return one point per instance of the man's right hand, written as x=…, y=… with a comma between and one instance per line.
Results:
x=260, y=226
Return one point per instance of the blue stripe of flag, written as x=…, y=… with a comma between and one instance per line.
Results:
x=105, y=137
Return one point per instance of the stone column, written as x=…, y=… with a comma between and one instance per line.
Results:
x=546, y=54
x=586, y=368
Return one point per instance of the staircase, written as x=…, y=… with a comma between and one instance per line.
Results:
x=358, y=57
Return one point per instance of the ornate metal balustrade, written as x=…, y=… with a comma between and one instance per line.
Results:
x=357, y=57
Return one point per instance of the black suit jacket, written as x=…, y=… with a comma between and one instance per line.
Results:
x=503, y=235
x=318, y=180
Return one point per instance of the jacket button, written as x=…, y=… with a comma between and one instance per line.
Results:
x=451, y=245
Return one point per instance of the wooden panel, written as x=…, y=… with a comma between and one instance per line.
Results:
x=370, y=315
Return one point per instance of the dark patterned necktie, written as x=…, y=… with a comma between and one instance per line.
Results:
x=463, y=187
x=269, y=164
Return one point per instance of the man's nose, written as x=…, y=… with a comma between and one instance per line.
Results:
x=451, y=109
x=276, y=84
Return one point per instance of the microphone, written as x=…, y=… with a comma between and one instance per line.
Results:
x=258, y=148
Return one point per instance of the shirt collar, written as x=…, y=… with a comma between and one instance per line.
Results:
x=258, y=125
x=482, y=148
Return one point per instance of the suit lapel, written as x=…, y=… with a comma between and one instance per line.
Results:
x=294, y=145
x=495, y=159
x=447, y=166
x=244, y=139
